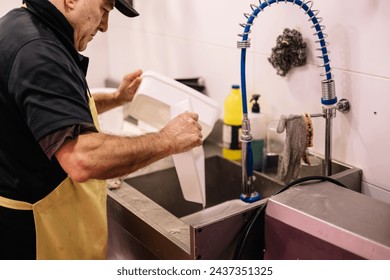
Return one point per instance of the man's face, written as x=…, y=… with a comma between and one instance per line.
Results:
x=90, y=17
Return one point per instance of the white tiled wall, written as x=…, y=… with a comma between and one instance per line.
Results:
x=198, y=38
x=97, y=49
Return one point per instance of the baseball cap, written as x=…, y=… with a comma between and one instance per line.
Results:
x=126, y=8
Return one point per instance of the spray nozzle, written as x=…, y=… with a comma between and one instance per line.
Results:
x=256, y=105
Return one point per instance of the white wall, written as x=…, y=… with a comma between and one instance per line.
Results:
x=198, y=38
x=97, y=50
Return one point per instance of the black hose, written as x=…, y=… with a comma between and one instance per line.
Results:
x=248, y=227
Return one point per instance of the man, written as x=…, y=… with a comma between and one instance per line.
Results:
x=53, y=160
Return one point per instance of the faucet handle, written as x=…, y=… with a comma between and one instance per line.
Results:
x=343, y=106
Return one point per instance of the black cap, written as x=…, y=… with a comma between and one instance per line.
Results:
x=126, y=8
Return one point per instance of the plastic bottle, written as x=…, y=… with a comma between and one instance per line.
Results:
x=258, y=123
x=232, y=124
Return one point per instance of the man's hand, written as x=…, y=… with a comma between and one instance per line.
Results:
x=183, y=132
x=128, y=87
x=124, y=94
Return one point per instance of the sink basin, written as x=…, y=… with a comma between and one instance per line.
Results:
x=223, y=183
x=149, y=217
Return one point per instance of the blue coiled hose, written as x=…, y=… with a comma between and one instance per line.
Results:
x=316, y=25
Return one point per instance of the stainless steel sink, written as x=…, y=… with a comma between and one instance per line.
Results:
x=223, y=183
x=149, y=217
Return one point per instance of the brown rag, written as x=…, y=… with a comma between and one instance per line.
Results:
x=294, y=148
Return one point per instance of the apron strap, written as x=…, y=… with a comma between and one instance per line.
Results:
x=15, y=204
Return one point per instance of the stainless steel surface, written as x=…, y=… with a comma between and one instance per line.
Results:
x=348, y=175
x=324, y=221
x=149, y=218
x=144, y=224
x=223, y=181
x=152, y=210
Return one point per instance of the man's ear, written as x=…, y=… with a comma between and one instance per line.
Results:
x=70, y=4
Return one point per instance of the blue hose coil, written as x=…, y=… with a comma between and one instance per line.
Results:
x=319, y=32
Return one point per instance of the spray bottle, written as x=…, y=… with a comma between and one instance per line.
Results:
x=232, y=124
x=258, y=122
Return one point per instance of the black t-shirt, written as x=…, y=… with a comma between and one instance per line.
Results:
x=42, y=90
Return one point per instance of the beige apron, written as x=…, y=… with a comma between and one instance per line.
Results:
x=71, y=221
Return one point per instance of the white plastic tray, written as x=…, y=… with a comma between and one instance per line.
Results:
x=157, y=93
x=158, y=100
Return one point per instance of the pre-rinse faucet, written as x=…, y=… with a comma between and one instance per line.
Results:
x=328, y=100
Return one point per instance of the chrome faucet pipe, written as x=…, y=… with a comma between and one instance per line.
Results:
x=246, y=139
x=329, y=101
x=247, y=192
x=329, y=114
x=317, y=115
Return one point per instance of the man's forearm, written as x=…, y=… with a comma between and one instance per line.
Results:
x=102, y=156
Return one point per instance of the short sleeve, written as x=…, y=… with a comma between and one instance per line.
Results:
x=49, y=88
